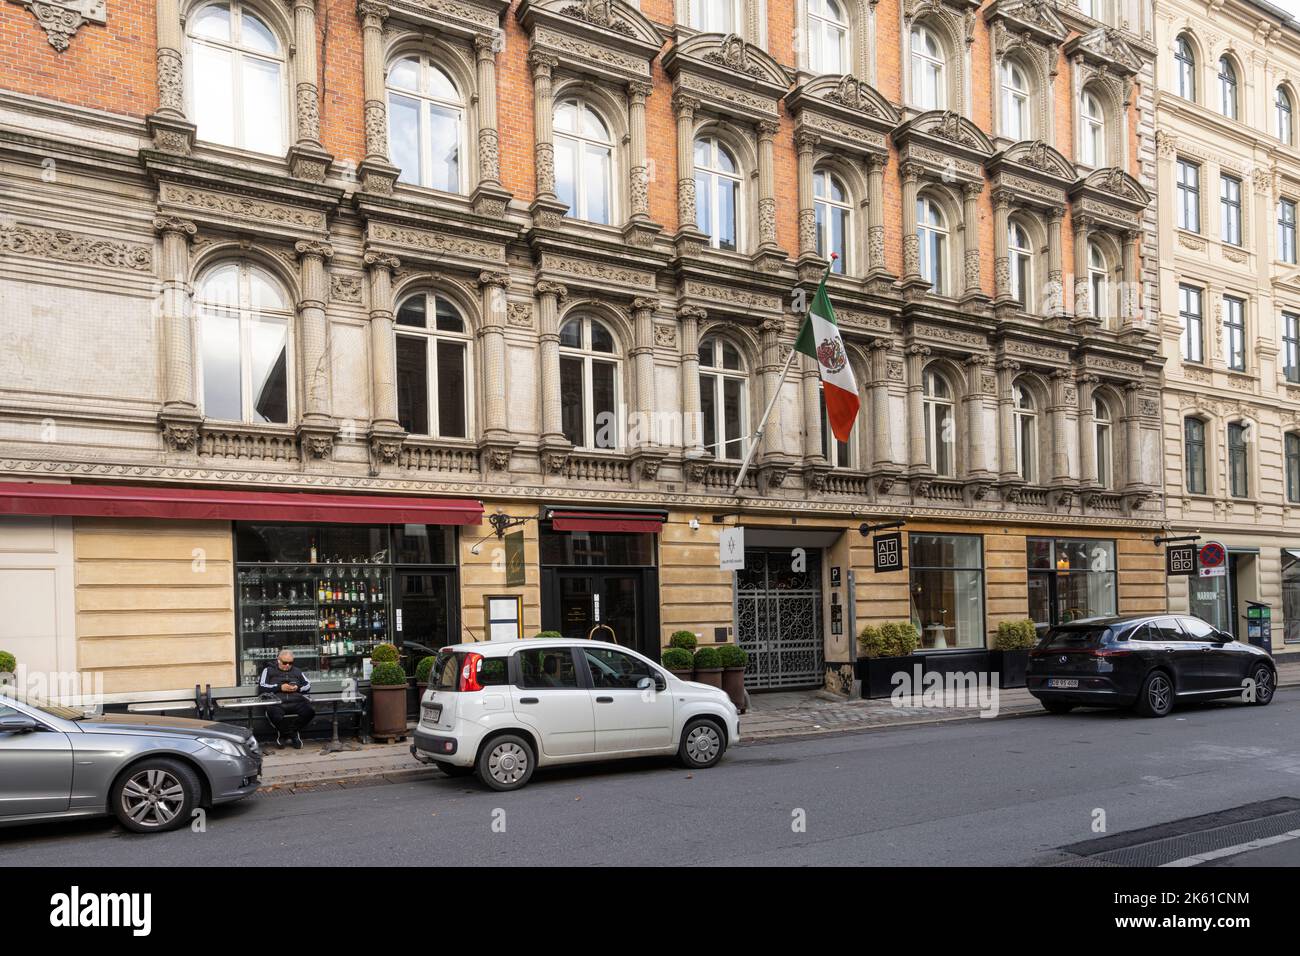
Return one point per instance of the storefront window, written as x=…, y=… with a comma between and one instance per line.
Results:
x=947, y=584
x=1070, y=579
x=1211, y=601
x=1291, y=596
x=330, y=593
x=597, y=548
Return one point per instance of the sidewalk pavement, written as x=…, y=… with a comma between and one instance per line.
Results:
x=771, y=716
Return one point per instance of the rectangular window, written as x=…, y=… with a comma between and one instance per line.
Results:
x=573, y=405
x=947, y=575
x=451, y=389
x=1189, y=196
x=1238, y=466
x=1194, y=454
x=1230, y=203
x=1234, y=333
x=1292, y=452
x=547, y=668
x=1291, y=346
x=413, y=384
x=834, y=451
x=1286, y=230
x=1291, y=595
x=1190, y=311
x=1070, y=579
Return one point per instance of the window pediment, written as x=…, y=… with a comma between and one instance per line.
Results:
x=1034, y=19
x=727, y=73
x=844, y=111
x=1033, y=171
x=609, y=37
x=465, y=19
x=1106, y=47
x=946, y=143
x=1111, y=196
x=445, y=247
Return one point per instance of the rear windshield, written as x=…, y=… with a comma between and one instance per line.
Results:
x=446, y=671
x=1066, y=638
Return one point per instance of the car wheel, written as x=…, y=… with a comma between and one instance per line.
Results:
x=452, y=770
x=1156, y=698
x=1265, y=684
x=1057, y=706
x=702, y=744
x=506, y=762
x=155, y=795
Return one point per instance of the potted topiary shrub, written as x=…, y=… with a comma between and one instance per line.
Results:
x=708, y=668
x=1010, y=655
x=8, y=663
x=422, y=671
x=686, y=640
x=885, y=650
x=384, y=654
x=548, y=636
x=678, y=662
x=733, y=659
x=388, y=711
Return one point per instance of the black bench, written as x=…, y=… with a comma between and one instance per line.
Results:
x=246, y=703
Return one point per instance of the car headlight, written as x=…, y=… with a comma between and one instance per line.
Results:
x=222, y=745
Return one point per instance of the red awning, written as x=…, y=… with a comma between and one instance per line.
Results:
x=130, y=501
x=641, y=522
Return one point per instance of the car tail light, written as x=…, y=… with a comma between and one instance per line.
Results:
x=469, y=672
x=1116, y=652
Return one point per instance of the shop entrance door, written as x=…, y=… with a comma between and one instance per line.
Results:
x=576, y=602
x=778, y=615
x=426, y=614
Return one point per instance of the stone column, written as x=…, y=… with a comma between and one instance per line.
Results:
x=639, y=174
x=490, y=198
x=806, y=144
x=1133, y=434
x=549, y=297
x=1131, y=298
x=916, y=356
x=377, y=174
x=1082, y=291
x=317, y=428
x=767, y=185
x=543, y=67
x=911, y=241
x=386, y=435
x=970, y=216
x=690, y=318
x=1060, y=411
x=1087, y=432
x=179, y=416
x=492, y=290
x=1053, y=304
x=685, y=108
x=643, y=361
x=1007, y=469
x=977, y=462
x=770, y=339
x=876, y=213
x=170, y=130
x=1001, y=247
x=307, y=160
x=882, y=449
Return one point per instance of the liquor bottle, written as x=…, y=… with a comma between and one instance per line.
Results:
x=313, y=550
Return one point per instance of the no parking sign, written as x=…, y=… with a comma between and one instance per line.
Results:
x=1212, y=560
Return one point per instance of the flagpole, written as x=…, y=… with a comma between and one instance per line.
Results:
x=762, y=425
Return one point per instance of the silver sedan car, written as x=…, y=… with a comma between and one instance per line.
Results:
x=152, y=773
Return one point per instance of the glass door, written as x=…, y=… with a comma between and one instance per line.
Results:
x=600, y=602
x=425, y=617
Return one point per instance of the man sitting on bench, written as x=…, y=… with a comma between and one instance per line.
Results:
x=289, y=686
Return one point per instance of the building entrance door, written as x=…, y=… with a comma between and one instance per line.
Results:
x=614, y=606
x=779, y=618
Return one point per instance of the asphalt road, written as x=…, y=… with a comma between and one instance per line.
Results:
x=991, y=792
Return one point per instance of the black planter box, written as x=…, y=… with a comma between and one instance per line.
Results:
x=1009, y=666
x=877, y=673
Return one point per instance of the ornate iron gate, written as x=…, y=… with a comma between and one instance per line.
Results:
x=778, y=616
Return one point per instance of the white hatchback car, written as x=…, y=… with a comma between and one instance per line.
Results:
x=504, y=708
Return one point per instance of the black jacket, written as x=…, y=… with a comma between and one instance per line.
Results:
x=272, y=677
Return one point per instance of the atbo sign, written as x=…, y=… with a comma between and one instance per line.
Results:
x=1180, y=560
x=889, y=552
x=1213, y=560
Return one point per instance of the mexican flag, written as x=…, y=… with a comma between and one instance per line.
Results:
x=820, y=339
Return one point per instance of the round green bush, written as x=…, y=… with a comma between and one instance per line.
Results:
x=891, y=639
x=548, y=636
x=423, y=668
x=676, y=659
x=707, y=658
x=387, y=674
x=732, y=656
x=8, y=663
x=385, y=654
x=1015, y=635
x=686, y=640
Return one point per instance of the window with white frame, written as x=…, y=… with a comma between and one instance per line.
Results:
x=1015, y=101
x=590, y=386
x=1230, y=209
x=1292, y=453
x=1227, y=88
x=932, y=231
x=1104, y=436
x=929, y=85
x=1191, y=313
x=237, y=74
x=1098, y=282
x=723, y=399
x=1185, y=66
x=584, y=160
x=1026, y=413
x=1234, y=333
x=717, y=193
x=1239, y=459
x=1286, y=230
x=1283, y=116
x=1194, y=455
x=243, y=324
x=834, y=218
x=432, y=349
x=714, y=16
x=1092, y=130
x=1188, y=206
x=828, y=37
x=838, y=453
x=1021, y=256
x=940, y=425
x=426, y=119
x=1291, y=347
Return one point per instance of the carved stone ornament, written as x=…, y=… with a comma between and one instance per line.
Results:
x=61, y=19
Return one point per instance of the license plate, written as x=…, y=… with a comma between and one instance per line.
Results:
x=434, y=712
x=1062, y=683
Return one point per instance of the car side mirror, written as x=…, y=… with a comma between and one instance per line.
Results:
x=659, y=683
x=17, y=724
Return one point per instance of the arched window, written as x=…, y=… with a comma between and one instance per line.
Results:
x=834, y=218
x=1194, y=455
x=1098, y=282
x=590, y=386
x=432, y=367
x=1293, y=467
x=1092, y=130
x=1285, y=129
x=838, y=454
x=243, y=329
x=828, y=37
x=425, y=121
x=1227, y=88
x=584, y=160
x=1021, y=264
x=929, y=85
x=932, y=230
x=1026, y=412
x=1185, y=64
x=237, y=78
x=1103, y=435
x=723, y=399
x=717, y=193
x=940, y=427
x=714, y=16
x=1015, y=101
